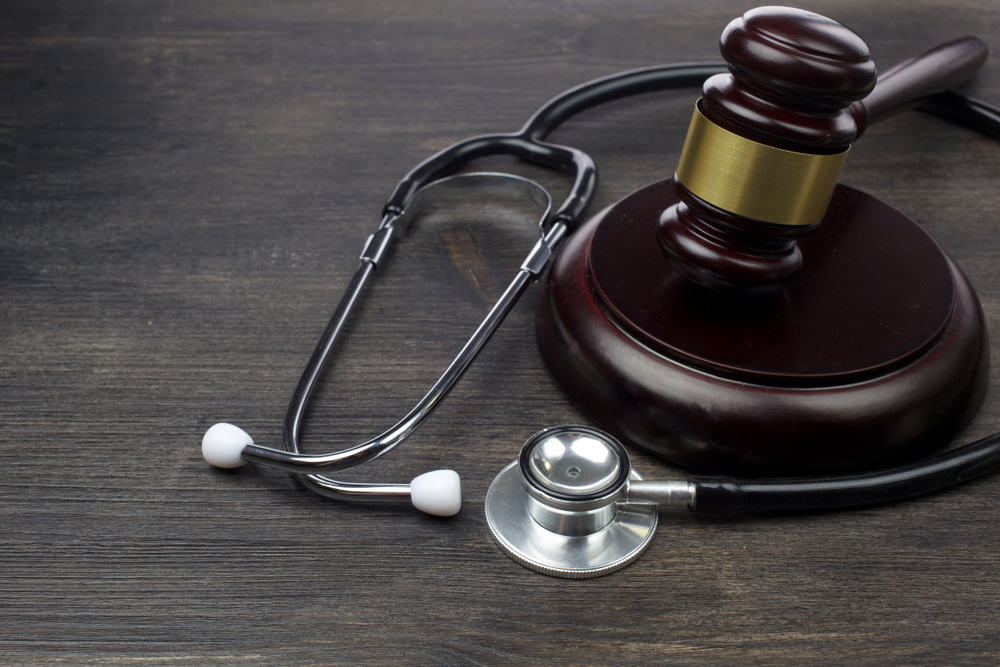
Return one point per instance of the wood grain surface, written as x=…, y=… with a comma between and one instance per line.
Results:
x=185, y=187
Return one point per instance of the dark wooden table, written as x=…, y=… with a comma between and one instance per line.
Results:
x=185, y=187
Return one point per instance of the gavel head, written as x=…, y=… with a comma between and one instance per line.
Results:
x=764, y=149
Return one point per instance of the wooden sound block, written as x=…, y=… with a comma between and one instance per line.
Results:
x=877, y=352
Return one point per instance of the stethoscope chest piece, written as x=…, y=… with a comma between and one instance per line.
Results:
x=556, y=509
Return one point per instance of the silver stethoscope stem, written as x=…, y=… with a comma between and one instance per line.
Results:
x=348, y=458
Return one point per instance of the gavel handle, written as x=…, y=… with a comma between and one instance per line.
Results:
x=914, y=80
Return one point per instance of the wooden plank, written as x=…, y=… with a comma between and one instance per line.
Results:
x=184, y=190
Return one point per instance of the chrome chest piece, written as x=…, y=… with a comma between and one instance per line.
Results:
x=563, y=507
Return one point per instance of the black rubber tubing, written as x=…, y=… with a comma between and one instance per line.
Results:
x=729, y=494
x=527, y=143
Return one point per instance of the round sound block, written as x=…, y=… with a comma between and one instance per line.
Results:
x=875, y=353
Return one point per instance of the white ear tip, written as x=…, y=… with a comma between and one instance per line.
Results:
x=223, y=444
x=438, y=492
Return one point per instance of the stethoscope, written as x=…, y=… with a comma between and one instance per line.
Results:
x=571, y=505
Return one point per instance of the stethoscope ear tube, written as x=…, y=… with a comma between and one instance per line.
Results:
x=438, y=492
x=717, y=494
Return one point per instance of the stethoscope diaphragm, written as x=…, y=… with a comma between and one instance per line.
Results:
x=559, y=508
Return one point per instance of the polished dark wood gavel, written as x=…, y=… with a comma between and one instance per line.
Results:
x=768, y=139
x=864, y=343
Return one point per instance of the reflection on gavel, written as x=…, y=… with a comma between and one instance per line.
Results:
x=767, y=141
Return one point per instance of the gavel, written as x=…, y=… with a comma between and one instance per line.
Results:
x=876, y=352
x=767, y=141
